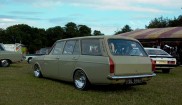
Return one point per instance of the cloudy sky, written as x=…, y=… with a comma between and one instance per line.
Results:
x=104, y=15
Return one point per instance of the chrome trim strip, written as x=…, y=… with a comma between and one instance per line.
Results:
x=132, y=76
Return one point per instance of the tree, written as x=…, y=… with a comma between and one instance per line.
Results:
x=32, y=38
x=20, y=33
x=97, y=33
x=84, y=30
x=2, y=35
x=176, y=21
x=158, y=23
x=126, y=28
x=71, y=30
x=54, y=33
x=165, y=22
x=38, y=40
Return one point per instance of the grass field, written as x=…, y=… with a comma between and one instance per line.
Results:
x=18, y=86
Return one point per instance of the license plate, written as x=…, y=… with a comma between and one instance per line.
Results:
x=134, y=81
x=161, y=62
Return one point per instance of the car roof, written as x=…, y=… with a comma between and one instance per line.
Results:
x=104, y=36
x=147, y=48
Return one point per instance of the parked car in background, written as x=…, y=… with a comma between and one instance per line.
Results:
x=17, y=47
x=40, y=52
x=96, y=60
x=162, y=59
x=8, y=57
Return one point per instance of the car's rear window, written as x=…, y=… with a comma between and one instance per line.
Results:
x=156, y=52
x=122, y=47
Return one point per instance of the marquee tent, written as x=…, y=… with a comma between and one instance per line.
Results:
x=155, y=33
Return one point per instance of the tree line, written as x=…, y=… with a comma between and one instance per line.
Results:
x=162, y=22
x=35, y=38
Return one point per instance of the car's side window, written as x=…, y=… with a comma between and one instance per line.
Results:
x=77, y=48
x=58, y=48
x=68, y=49
x=91, y=47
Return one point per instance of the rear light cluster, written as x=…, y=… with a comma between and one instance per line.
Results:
x=153, y=65
x=111, y=64
x=171, y=62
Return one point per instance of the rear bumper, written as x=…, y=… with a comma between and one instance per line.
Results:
x=130, y=77
x=160, y=66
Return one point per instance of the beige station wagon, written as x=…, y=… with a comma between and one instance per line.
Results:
x=96, y=60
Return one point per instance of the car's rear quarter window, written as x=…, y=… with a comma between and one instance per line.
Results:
x=91, y=47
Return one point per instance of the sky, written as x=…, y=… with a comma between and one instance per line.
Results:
x=106, y=16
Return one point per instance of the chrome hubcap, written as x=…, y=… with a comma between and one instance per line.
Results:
x=4, y=63
x=37, y=72
x=80, y=79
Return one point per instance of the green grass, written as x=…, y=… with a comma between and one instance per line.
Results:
x=18, y=86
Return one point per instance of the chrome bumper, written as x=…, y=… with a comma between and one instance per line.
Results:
x=129, y=77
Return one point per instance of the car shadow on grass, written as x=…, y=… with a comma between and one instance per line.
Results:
x=98, y=88
x=111, y=88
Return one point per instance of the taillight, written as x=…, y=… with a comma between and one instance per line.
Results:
x=111, y=64
x=153, y=65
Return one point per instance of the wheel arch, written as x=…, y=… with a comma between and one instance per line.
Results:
x=83, y=71
x=36, y=64
x=9, y=60
x=29, y=58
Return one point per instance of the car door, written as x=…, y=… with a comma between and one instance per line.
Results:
x=51, y=61
x=68, y=59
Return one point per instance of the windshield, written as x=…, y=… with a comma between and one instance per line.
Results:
x=156, y=52
x=125, y=47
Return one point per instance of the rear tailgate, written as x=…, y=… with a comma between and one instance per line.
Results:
x=132, y=65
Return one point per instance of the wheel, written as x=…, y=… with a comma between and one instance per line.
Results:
x=5, y=63
x=37, y=72
x=29, y=60
x=165, y=70
x=80, y=80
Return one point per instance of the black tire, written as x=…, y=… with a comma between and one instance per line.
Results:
x=5, y=63
x=80, y=80
x=37, y=72
x=165, y=70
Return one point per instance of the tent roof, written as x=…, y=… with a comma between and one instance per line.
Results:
x=155, y=33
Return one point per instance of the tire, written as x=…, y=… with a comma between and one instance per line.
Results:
x=80, y=80
x=166, y=70
x=37, y=72
x=5, y=63
x=29, y=60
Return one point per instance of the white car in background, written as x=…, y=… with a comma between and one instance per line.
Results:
x=42, y=51
x=162, y=59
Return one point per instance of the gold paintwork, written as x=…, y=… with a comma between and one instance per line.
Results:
x=96, y=68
